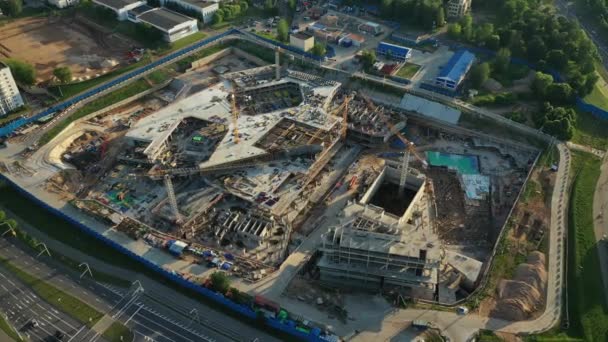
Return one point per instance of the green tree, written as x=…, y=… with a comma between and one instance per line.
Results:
x=283, y=30
x=11, y=8
x=63, y=74
x=479, y=74
x=455, y=31
x=541, y=83
x=217, y=17
x=559, y=93
x=502, y=61
x=368, y=58
x=220, y=282
x=319, y=49
x=467, y=27
x=23, y=72
x=557, y=59
x=292, y=5
x=440, y=21
x=2, y=215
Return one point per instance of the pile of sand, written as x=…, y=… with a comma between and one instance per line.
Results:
x=524, y=294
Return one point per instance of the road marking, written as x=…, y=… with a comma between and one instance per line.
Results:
x=135, y=313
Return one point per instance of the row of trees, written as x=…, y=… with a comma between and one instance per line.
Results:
x=530, y=32
x=11, y=8
x=427, y=14
x=23, y=72
x=230, y=11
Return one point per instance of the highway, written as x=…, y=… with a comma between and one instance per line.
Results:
x=21, y=305
x=158, y=299
x=150, y=315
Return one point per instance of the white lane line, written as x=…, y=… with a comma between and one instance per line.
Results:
x=155, y=323
x=135, y=313
x=76, y=334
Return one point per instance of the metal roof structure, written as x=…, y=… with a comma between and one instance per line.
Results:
x=164, y=19
x=396, y=51
x=457, y=66
x=116, y=4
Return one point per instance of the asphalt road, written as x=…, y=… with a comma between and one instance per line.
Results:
x=150, y=316
x=21, y=306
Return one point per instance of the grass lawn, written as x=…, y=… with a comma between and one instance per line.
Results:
x=8, y=330
x=118, y=332
x=57, y=298
x=408, y=70
x=91, y=107
x=590, y=131
x=599, y=95
x=588, y=311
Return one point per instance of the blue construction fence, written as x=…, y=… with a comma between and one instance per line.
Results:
x=411, y=41
x=285, y=326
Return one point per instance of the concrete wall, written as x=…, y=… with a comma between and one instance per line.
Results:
x=374, y=187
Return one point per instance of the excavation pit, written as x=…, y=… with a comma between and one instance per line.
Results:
x=389, y=198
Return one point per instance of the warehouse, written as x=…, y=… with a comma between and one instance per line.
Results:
x=120, y=7
x=173, y=25
x=453, y=73
x=205, y=8
x=392, y=51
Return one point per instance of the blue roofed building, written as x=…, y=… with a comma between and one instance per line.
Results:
x=454, y=72
x=397, y=52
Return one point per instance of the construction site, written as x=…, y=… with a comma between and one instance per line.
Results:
x=237, y=171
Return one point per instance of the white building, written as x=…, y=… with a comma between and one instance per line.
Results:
x=205, y=8
x=173, y=25
x=458, y=8
x=63, y=3
x=302, y=41
x=120, y=7
x=10, y=98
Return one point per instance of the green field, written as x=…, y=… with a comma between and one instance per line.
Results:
x=408, y=70
x=588, y=311
x=599, y=95
x=590, y=131
x=118, y=332
x=93, y=106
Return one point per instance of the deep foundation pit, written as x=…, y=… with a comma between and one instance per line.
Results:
x=389, y=198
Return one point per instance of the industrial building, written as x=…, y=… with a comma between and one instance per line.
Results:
x=392, y=51
x=63, y=3
x=204, y=7
x=120, y=7
x=453, y=73
x=10, y=98
x=302, y=41
x=370, y=28
x=173, y=25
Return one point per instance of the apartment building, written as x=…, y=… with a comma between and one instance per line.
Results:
x=10, y=98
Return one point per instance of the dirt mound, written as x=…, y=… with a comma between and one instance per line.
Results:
x=520, y=297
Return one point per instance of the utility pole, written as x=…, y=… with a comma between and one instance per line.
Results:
x=10, y=229
x=194, y=316
x=87, y=269
x=44, y=249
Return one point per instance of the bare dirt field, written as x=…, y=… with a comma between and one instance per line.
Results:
x=50, y=42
